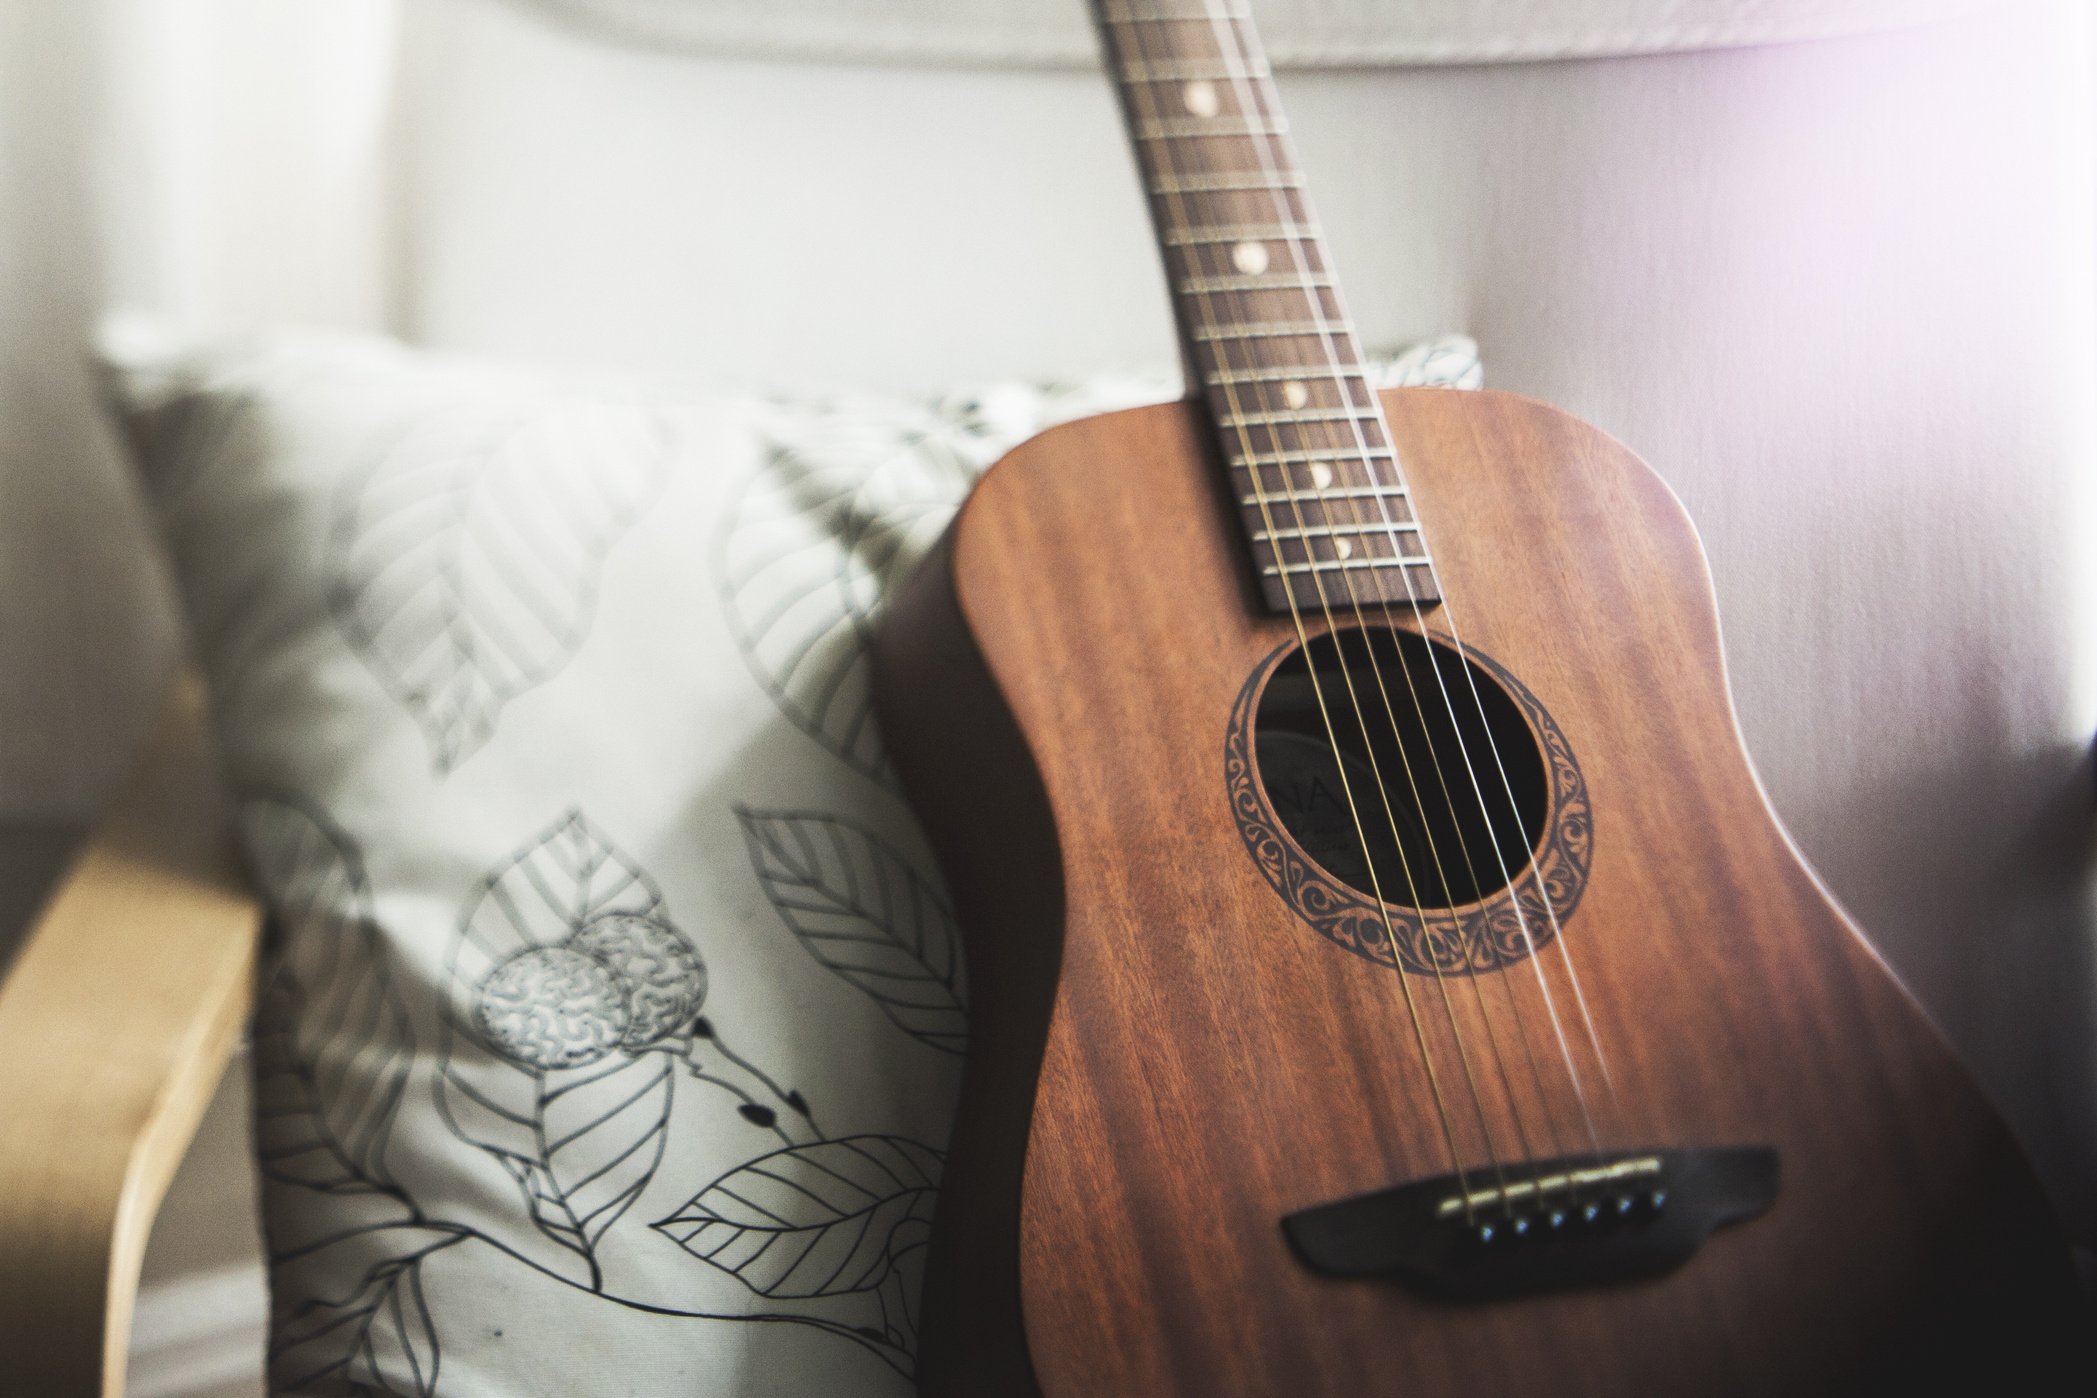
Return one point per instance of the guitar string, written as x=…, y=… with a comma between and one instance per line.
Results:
x=1565, y=949
x=1336, y=749
x=1238, y=45
x=1252, y=106
x=1507, y=868
x=1253, y=112
x=1236, y=49
x=1244, y=89
x=1164, y=156
x=1294, y=241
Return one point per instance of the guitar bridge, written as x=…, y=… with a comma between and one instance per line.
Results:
x=1546, y=1225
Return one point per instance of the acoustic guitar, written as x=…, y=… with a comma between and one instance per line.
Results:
x=1388, y=975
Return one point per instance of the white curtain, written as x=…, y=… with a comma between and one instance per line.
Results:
x=218, y=161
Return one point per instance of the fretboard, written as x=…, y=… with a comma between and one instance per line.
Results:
x=1266, y=338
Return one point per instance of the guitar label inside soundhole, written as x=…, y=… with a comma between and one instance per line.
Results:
x=1441, y=783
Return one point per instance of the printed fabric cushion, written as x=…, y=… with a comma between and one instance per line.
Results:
x=615, y=1012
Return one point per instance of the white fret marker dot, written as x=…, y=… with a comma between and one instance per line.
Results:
x=1342, y=549
x=1250, y=258
x=1321, y=474
x=1295, y=394
x=1201, y=98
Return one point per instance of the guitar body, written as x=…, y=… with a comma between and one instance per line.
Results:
x=1169, y=1056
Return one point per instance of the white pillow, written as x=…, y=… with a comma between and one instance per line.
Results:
x=616, y=1005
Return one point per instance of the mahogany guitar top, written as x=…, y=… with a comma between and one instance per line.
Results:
x=1170, y=1057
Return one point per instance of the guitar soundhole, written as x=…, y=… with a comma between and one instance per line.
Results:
x=1442, y=784
x=1415, y=790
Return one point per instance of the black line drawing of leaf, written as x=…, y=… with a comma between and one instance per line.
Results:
x=465, y=562
x=332, y=1041
x=378, y=1338
x=902, y=1290
x=601, y=1134
x=570, y=875
x=815, y=539
x=865, y=914
x=814, y=1220
x=581, y=1141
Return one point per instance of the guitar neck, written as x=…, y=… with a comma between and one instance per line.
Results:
x=1262, y=327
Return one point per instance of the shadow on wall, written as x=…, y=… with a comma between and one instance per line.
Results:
x=1843, y=307
x=214, y=161
x=83, y=628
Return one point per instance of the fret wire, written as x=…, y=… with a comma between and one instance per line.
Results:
x=1315, y=456
x=1299, y=493
x=1307, y=455
x=1274, y=329
x=1389, y=493
x=1138, y=71
x=1283, y=373
x=1262, y=407
x=1340, y=458
x=1315, y=496
x=1289, y=415
x=1202, y=234
x=1201, y=128
x=1357, y=548
x=1251, y=281
x=1224, y=182
x=1382, y=562
x=1324, y=531
x=1200, y=14
x=1282, y=358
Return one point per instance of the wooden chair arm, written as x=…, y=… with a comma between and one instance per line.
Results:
x=116, y=1023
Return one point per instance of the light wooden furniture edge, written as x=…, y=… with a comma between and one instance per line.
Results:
x=117, y=1020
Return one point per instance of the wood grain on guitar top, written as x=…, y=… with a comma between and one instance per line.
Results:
x=1167, y=1061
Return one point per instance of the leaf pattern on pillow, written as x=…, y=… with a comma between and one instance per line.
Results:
x=822, y=1219
x=379, y=1337
x=333, y=1051
x=540, y=1072
x=333, y=1044
x=850, y=494
x=843, y=504
x=465, y=561
x=562, y=951
x=863, y=913
x=567, y=1079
